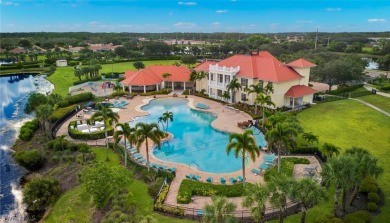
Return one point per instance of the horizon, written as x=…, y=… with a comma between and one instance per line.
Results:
x=194, y=16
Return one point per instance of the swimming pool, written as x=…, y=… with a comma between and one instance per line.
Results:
x=195, y=142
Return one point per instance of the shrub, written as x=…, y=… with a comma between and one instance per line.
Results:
x=83, y=148
x=40, y=193
x=372, y=206
x=357, y=217
x=97, y=78
x=119, y=93
x=28, y=129
x=286, y=167
x=368, y=185
x=342, y=90
x=61, y=112
x=159, y=205
x=328, y=218
x=186, y=92
x=154, y=187
x=373, y=197
x=161, y=91
x=387, y=88
x=75, y=99
x=32, y=160
x=188, y=188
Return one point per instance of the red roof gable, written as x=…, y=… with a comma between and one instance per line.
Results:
x=301, y=63
x=153, y=75
x=18, y=50
x=299, y=91
x=205, y=65
x=263, y=66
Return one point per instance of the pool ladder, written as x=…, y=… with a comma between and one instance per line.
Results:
x=193, y=162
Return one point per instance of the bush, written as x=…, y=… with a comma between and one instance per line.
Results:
x=75, y=99
x=83, y=148
x=154, y=187
x=286, y=167
x=61, y=112
x=357, y=217
x=188, y=188
x=373, y=197
x=186, y=92
x=97, y=78
x=28, y=129
x=40, y=193
x=342, y=90
x=159, y=205
x=119, y=93
x=161, y=91
x=32, y=160
x=368, y=185
x=387, y=88
x=328, y=218
x=372, y=206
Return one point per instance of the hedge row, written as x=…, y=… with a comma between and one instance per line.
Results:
x=189, y=188
x=387, y=88
x=159, y=205
x=28, y=129
x=342, y=90
x=161, y=91
x=76, y=134
x=75, y=99
x=61, y=112
x=286, y=167
x=97, y=78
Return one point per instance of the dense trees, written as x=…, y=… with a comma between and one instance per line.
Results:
x=40, y=193
x=139, y=65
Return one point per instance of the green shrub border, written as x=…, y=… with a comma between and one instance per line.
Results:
x=61, y=112
x=161, y=91
x=159, y=205
x=75, y=134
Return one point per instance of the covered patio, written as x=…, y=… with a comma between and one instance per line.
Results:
x=298, y=96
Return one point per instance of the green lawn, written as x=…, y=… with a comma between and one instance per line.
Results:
x=72, y=207
x=63, y=77
x=348, y=123
x=377, y=100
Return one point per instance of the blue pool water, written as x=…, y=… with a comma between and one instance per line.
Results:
x=195, y=142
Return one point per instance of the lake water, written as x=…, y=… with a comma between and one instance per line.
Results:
x=14, y=92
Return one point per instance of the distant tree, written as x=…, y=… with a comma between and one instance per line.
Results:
x=384, y=62
x=54, y=98
x=121, y=51
x=139, y=65
x=40, y=193
x=188, y=59
x=34, y=101
x=256, y=41
x=336, y=46
x=43, y=113
x=25, y=43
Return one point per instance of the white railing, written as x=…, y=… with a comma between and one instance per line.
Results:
x=218, y=84
x=216, y=67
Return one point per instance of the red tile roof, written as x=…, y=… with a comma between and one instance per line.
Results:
x=153, y=75
x=205, y=65
x=301, y=63
x=299, y=91
x=18, y=50
x=263, y=66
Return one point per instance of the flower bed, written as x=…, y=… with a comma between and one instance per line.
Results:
x=159, y=205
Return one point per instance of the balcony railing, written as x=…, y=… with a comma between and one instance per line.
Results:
x=218, y=84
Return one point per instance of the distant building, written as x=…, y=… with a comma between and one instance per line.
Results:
x=61, y=63
x=18, y=50
x=295, y=38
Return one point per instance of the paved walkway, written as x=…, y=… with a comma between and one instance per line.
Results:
x=369, y=88
x=372, y=106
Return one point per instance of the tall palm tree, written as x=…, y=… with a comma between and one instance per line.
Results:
x=143, y=132
x=165, y=118
x=329, y=149
x=233, y=86
x=219, y=211
x=308, y=193
x=263, y=100
x=257, y=89
x=310, y=138
x=280, y=137
x=226, y=95
x=43, y=113
x=341, y=172
x=269, y=89
x=105, y=113
x=243, y=144
x=127, y=132
x=255, y=198
x=280, y=187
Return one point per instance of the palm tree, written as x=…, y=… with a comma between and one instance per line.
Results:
x=165, y=118
x=219, y=211
x=280, y=137
x=268, y=89
x=43, y=113
x=308, y=193
x=128, y=133
x=280, y=187
x=263, y=100
x=255, y=198
x=329, y=149
x=226, y=96
x=143, y=132
x=310, y=138
x=242, y=144
x=105, y=113
x=233, y=86
x=166, y=76
x=257, y=89
x=341, y=172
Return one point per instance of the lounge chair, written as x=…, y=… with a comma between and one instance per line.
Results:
x=223, y=181
x=153, y=165
x=142, y=160
x=197, y=177
x=172, y=169
x=124, y=103
x=256, y=171
x=264, y=166
x=233, y=180
x=159, y=166
x=240, y=179
x=190, y=176
x=133, y=150
x=165, y=167
x=137, y=155
x=209, y=180
x=200, y=212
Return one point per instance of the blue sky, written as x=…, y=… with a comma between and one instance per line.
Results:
x=251, y=16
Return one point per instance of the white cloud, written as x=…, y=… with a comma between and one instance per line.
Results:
x=185, y=25
x=221, y=11
x=304, y=21
x=9, y=3
x=333, y=9
x=216, y=24
x=376, y=20
x=93, y=23
x=187, y=3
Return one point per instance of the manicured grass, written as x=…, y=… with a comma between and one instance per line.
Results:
x=348, y=123
x=63, y=77
x=72, y=207
x=377, y=100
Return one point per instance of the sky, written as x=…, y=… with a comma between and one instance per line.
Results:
x=246, y=16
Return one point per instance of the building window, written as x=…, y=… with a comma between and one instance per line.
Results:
x=261, y=83
x=227, y=79
x=211, y=76
x=244, y=82
x=243, y=97
x=219, y=93
x=221, y=78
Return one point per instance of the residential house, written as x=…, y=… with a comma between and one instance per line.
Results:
x=290, y=81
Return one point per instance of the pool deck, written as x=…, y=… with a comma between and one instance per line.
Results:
x=227, y=119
